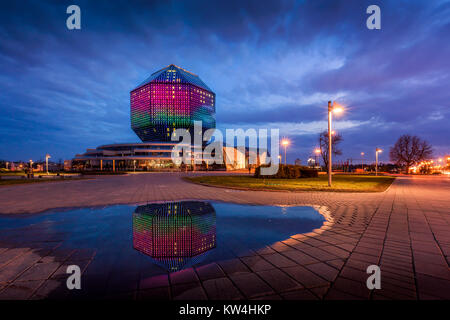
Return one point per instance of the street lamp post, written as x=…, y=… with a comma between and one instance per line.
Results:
x=285, y=143
x=134, y=165
x=31, y=169
x=362, y=161
x=47, y=156
x=335, y=109
x=377, y=151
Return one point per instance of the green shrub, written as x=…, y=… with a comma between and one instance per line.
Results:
x=288, y=172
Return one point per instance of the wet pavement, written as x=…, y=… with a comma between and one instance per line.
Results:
x=405, y=230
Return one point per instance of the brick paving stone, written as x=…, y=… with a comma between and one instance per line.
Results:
x=18, y=265
x=354, y=288
x=51, y=288
x=183, y=276
x=257, y=263
x=20, y=290
x=280, y=247
x=209, y=271
x=320, y=292
x=319, y=254
x=10, y=254
x=300, y=257
x=221, y=289
x=323, y=270
x=390, y=290
x=336, y=263
x=265, y=250
x=341, y=253
x=233, y=266
x=335, y=294
x=314, y=242
x=299, y=295
x=251, y=285
x=436, y=270
x=366, y=258
x=359, y=275
x=161, y=293
x=358, y=264
x=39, y=271
x=82, y=255
x=269, y=297
x=188, y=291
x=278, y=280
x=154, y=282
x=279, y=260
x=305, y=277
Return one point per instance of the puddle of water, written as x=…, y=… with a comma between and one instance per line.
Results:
x=158, y=238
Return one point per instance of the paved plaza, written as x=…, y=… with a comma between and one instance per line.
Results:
x=405, y=231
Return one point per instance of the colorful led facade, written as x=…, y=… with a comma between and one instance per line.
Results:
x=169, y=99
x=175, y=234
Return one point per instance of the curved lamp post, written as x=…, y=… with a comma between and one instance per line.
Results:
x=285, y=143
x=377, y=151
x=331, y=109
x=47, y=156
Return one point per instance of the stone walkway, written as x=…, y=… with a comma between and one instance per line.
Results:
x=405, y=231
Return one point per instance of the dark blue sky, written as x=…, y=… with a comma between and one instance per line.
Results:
x=271, y=63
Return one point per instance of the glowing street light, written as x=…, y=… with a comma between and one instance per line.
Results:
x=317, y=151
x=47, y=156
x=336, y=109
x=377, y=151
x=285, y=143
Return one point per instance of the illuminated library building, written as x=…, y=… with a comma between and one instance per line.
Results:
x=171, y=98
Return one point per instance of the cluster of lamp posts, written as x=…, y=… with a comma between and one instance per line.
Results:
x=332, y=108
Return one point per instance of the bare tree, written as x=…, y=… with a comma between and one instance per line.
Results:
x=409, y=150
x=323, y=143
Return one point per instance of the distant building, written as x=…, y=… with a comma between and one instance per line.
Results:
x=67, y=165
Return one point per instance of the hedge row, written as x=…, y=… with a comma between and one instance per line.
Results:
x=288, y=172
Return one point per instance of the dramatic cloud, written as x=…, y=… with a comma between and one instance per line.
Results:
x=272, y=64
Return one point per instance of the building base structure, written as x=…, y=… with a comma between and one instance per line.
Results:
x=157, y=156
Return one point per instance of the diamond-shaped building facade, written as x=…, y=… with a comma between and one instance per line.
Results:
x=169, y=99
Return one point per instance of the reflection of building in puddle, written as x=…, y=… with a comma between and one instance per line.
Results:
x=175, y=234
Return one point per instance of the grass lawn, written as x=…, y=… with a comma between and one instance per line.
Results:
x=10, y=182
x=341, y=183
